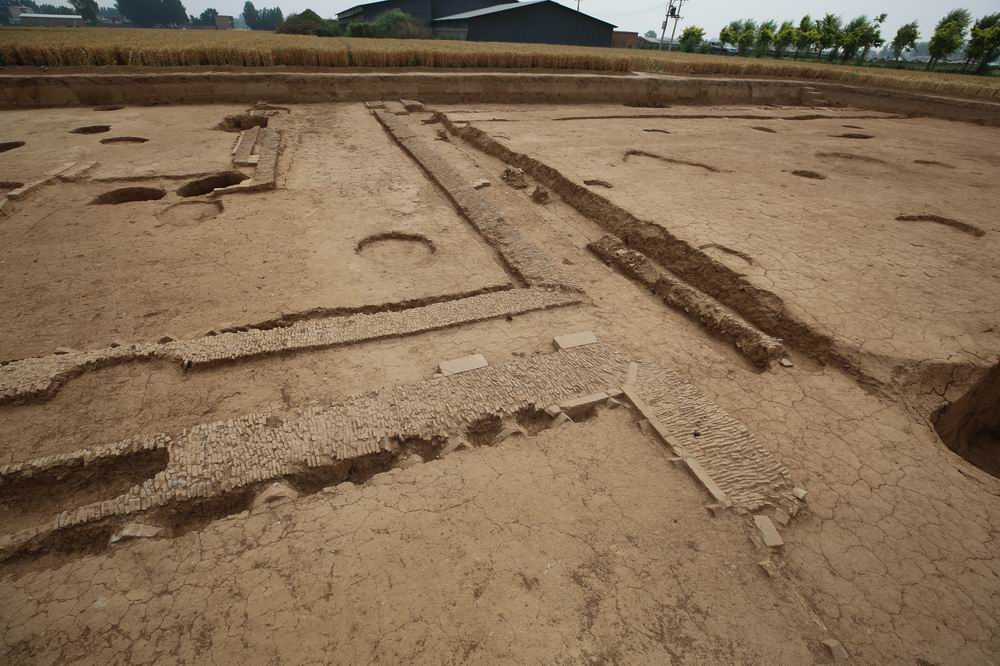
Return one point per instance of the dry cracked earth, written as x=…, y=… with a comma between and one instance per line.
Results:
x=819, y=284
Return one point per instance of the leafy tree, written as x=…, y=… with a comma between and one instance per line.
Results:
x=805, y=35
x=308, y=22
x=109, y=13
x=397, y=24
x=871, y=36
x=270, y=18
x=691, y=38
x=905, y=39
x=828, y=31
x=207, y=17
x=859, y=36
x=87, y=9
x=784, y=38
x=948, y=35
x=651, y=34
x=730, y=34
x=251, y=16
x=359, y=29
x=984, y=47
x=746, y=34
x=764, y=37
x=262, y=19
x=149, y=13
x=45, y=8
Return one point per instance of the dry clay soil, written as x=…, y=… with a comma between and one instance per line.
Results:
x=581, y=544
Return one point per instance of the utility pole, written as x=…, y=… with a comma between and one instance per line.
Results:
x=577, y=5
x=673, y=12
x=677, y=17
x=663, y=31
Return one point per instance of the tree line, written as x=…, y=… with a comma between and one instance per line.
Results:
x=148, y=13
x=852, y=41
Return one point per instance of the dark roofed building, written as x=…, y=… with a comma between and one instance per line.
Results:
x=423, y=10
x=534, y=21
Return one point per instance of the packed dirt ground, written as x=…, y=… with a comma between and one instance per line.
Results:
x=794, y=301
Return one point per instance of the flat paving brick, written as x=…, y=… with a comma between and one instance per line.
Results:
x=574, y=340
x=768, y=532
x=464, y=364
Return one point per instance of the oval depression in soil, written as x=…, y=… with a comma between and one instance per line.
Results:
x=91, y=129
x=129, y=194
x=125, y=139
x=396, y=248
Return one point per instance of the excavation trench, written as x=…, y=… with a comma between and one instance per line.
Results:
x=53, y=547
x=970, y=426
x=760, y=307
x=30, y=499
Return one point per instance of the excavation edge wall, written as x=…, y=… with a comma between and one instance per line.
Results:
x=32, y=91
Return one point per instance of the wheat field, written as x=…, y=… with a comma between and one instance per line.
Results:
x=103, y=47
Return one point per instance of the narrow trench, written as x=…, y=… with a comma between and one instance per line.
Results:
x=81, y=485
x=670, y=160
x=760, y=307
x=964, y=227
x=28, y=500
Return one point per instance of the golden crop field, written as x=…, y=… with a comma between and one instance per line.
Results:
x=76, y=47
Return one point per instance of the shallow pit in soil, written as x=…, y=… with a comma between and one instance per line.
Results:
x=128, y=195
x=125, y=139
x=187, y=213
x=396, y=248
x=91, y=129
x=805, y=173
x=207, y=184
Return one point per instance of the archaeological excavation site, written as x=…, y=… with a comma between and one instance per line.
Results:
x=496, y=368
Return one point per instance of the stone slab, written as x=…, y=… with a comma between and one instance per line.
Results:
x=579, y=406
x=464, y=364
x=768, y=532
x=571, y=340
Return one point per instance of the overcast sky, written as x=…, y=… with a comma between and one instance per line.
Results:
x=643, y=15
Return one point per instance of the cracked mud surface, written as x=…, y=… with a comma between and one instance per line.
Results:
x=265, y=254
x=830, y=249
x=536, y=544
x=581, y=543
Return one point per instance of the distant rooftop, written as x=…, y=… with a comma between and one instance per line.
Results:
x=62, y=16
x=489, y=10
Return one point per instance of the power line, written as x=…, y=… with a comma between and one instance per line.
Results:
x=635, y=12
x=673, y=12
